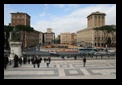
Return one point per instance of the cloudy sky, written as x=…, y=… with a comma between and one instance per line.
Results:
x=60, y=17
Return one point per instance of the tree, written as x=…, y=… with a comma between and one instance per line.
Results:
x=23, y=30
x=107, y=30
x=7, y=30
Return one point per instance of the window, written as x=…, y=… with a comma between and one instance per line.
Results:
x=99, y=17
x=102, y=17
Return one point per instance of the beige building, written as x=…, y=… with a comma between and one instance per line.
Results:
x=96, y=19
x=41, y=38
x=66, y=38
x=49, y=37
x=73, y=38
x=89, y=37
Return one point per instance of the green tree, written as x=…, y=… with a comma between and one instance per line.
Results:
x=23, y=30
x=107, y=30
x=7, y=30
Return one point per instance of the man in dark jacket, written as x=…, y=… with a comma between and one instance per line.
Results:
x=84, y=61
x=16, y=61
x=6, y=61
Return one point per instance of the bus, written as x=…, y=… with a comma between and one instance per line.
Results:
x=85, y=51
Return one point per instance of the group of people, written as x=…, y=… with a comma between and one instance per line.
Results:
x=37, y=60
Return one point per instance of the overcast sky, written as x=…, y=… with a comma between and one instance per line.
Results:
x=60, y=17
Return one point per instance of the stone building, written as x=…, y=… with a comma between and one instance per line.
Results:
x=65, y=38
x=30, y=38
x=49, y=36
x=20, y=18
x=89, y=37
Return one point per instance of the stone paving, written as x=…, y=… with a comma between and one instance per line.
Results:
x=65, y=69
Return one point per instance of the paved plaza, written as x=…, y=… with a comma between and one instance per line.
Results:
x=65, y=69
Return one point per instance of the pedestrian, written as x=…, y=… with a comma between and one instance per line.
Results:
x=6, y=61
x=49, y=58
x=34, y=61
x=44, y=59
x=25, y=59
x=38, y=62
x=40, y=59
x=16, y=61
x=20, y=61
x=47, y=62
x=84, y=61
x=28, y=60
x=75, y=57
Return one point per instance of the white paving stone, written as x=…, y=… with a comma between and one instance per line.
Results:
x=85, y=72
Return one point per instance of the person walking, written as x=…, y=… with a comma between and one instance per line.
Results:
x=49, y=58
x=28, y=60
x=38, y=62
x=16, y=60
x=6, y=61
x=84, y=61
x=44, y=59
x=40, y=59
x=20, y=61
x=34, y=61
x=47, y=62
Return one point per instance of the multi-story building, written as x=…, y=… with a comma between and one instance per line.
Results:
x=30, y=38
x=96, y=19
x=66, y=38
x=88, y=36
x=73, y=38
x=49, y=36
x=20, y=18
x=41, y=38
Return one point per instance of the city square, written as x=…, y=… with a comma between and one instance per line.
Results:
x=61, y=41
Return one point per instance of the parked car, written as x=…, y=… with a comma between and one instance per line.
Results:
x=52, y=52
x=111, y=51
x=99, y=53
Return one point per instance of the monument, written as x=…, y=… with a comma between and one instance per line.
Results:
x=15, y=43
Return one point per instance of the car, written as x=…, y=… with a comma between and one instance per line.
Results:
x=52, y=52
x=99, y=53
x=111, y=51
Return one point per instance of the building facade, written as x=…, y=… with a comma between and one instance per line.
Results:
x=49, y=36
x=66, y=38
x=31, y=38
x=89, y=37
x=41, y=38
x=20, y=18
x=95, y=19
x=28, y=38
